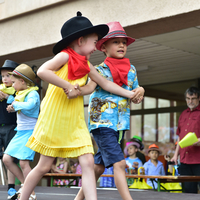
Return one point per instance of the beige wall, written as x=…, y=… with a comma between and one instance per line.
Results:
x=11, y=8
x=23, y=25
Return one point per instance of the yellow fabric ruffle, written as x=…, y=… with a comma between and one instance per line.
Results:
x=58, y=152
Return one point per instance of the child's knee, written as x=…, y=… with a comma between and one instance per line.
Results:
x=86, y=160
x=43, y=169
x=7, y=159
x=24, y=164
x=99, y=169
x=120, y=165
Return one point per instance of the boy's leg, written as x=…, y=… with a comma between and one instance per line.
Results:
x=98, y=170
x=43, y=166
x=120, y=179
x=24, y=164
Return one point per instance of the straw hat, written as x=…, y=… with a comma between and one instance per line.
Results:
x=76, y=27
x=25, y=72
x=115, y=30
x=128, y=144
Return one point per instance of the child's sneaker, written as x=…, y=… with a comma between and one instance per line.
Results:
x=12, y=194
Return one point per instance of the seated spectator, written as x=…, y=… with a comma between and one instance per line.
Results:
x=107, y=181
x=61, y=167
x=171, y=165
x=139, y=154
x=153, y=166
x=75, y=168
x=132, y=161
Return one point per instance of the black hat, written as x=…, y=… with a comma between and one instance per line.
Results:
x=138, y=139
x=76, y=27
x=9, y=65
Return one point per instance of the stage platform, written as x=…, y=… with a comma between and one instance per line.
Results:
x=53, y=193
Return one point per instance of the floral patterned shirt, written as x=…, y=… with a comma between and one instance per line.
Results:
x=107, y=109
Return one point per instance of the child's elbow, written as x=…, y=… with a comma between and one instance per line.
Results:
x=40, y=72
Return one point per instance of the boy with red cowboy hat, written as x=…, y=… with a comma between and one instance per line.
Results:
x=153, y=166
x=109, y=114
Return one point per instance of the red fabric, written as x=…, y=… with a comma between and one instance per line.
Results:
x=77, y=65
x=189, y=121
x=119, y=69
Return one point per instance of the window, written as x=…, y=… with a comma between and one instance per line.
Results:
x=154, y=120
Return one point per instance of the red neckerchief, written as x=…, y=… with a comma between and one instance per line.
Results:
x=77, y=65
x=119, y=69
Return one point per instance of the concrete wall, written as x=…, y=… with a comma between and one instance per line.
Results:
x=35, y=23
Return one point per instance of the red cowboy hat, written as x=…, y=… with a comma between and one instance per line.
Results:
x=115, y=30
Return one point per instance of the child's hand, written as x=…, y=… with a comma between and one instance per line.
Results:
x=73, y=92
x=3, y=95
x=167, y=157
x=10, y=108
x=138, y=95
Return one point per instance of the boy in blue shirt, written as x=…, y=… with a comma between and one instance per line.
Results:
x=109, y=114
x=153, y=166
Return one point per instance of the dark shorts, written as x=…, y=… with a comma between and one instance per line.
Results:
x=6, y=134
x=109, y=150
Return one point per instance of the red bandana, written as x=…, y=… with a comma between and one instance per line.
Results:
x=77, y=65
x=119, y=69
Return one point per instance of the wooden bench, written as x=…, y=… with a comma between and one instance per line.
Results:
x=160, y=179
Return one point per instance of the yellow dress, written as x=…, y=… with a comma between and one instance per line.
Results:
x=61, y=130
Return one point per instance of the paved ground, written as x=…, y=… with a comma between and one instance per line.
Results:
x=47, y=193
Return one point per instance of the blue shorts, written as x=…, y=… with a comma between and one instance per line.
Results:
x=109, y=150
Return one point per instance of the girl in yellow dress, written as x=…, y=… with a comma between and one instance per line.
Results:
x=61, y=130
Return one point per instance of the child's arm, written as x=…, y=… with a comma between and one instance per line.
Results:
x=88, y=89
x=170, y=166
x=32, y=101
x=65, y=167
x=108, y=85
x=46, y=72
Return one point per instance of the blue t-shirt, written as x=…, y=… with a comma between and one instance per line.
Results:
x=130, y=161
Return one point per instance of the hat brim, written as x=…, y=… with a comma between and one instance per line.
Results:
x=155, y=149
x=132, y=143
x=6, y=68
x=138, y=141
x=129, y=41
x=101, y=30
x=25, y=79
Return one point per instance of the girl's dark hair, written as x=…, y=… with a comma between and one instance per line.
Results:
x=192, y=90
